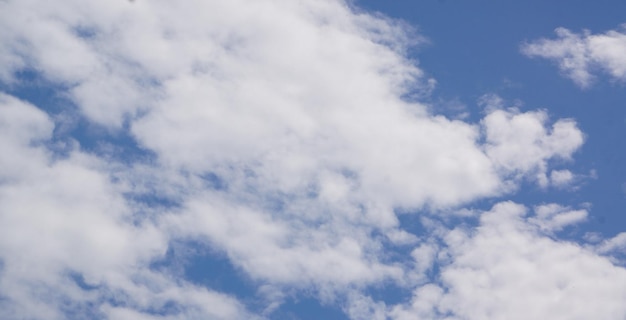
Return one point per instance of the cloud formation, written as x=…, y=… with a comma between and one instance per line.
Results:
x=508, y=268
x=275, y=133
x=68, y=240
x=581, y=55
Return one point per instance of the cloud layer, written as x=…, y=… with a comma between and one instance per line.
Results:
x=274, y=133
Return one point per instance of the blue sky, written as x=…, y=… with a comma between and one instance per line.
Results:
x=314, y=159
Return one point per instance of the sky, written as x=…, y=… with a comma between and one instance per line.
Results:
x=312, y=159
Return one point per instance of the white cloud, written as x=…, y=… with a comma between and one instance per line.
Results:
x=363, y=307
x=508, y=269
x=554, y=217
x=64, y=217
x=561, y=178
x=520, y=144
x=579, y=55
x=422, y=305
x=617, y=243
x=296, y=111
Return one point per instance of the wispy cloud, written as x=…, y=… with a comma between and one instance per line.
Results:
x=581, y=55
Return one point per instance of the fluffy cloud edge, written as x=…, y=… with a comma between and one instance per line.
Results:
x=580, y=55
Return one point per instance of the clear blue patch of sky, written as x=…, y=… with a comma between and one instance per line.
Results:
x=307, y=308
x=195, y=262
x=390, y=293
x=214, y=270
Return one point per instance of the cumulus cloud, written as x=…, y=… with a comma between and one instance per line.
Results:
x=508, y=268
x=280, y=140
x=580, y=55
x=67, y=239
x=520, y=143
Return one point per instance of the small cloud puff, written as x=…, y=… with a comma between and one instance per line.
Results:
x=579, y=55
x=561, y=178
